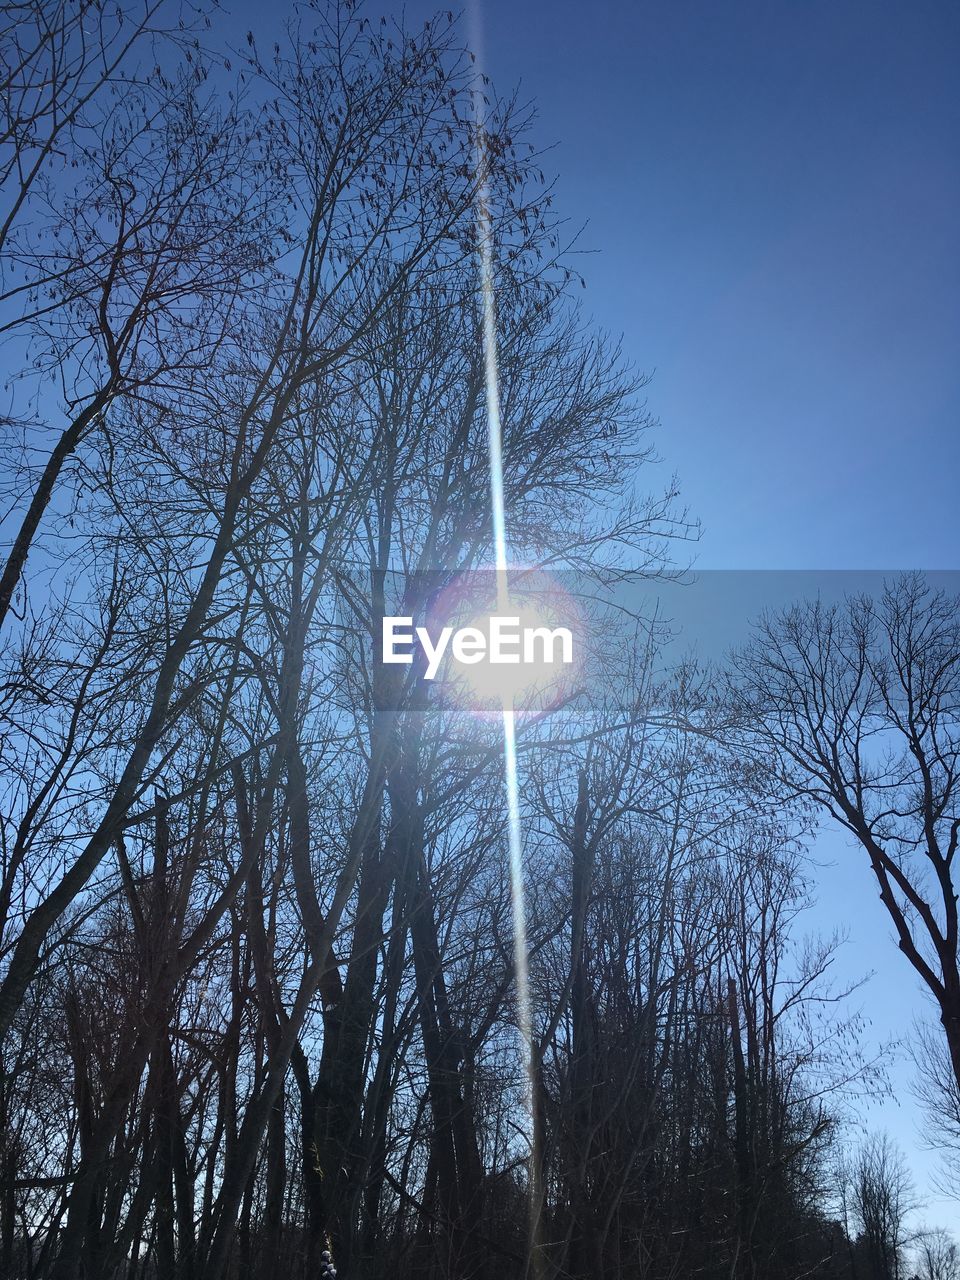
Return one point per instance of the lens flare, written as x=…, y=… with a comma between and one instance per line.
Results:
x=514, y=839
x=543, y=626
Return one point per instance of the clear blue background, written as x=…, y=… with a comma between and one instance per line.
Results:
x=772, y=190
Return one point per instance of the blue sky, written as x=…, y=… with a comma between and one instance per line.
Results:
x=769, y=193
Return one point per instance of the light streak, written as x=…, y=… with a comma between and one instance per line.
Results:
x=511, y=777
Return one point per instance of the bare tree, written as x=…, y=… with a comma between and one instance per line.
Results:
x=370, y=214
x=881, y=1197
x=938, y=1092
x=61, y=67
x=858, y=705
x=938, y=1257
x=257, y=969
x=129, y=227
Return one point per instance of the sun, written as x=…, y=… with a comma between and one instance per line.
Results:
x=519, y=649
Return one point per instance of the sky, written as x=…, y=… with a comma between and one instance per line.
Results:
x=768, y=195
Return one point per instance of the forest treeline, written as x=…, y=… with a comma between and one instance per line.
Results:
x=258, y=999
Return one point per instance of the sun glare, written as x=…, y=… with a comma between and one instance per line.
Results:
x=515, y=649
